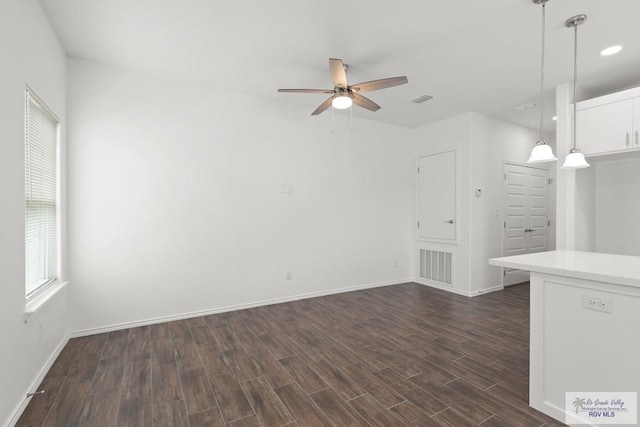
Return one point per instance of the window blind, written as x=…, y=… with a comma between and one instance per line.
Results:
x=41, y=195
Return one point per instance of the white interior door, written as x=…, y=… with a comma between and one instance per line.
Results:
x=537, y=211
x=526, y=226
x=437, y=212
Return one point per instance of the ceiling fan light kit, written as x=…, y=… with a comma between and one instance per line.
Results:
x=344, y=95
x=542, y=153
x=342, y=102
x=575, y=159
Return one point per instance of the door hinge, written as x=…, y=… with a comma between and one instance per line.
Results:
x=418, y=169
x=505, y=225
x=418, y=224
x=549, y=181
x=504, y=272
x=549, y=223
x=505, y=176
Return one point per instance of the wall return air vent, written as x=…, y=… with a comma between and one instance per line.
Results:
x=436, y=265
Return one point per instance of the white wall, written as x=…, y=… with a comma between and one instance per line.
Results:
x=607, y=201
x=175, y=203
x=585, y=208
x=494, y=142
x=31, y=55
x=451, y=134
x=597, y=206
x=483, y=144
x=617, y=203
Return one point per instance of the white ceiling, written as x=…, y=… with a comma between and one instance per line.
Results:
x=470, y=55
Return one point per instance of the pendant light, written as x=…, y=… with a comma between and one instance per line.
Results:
x=575, y=159
x=542, y=152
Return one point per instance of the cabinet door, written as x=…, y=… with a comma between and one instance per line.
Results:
x=437, y=216
x=606, y=128
x=636, y=123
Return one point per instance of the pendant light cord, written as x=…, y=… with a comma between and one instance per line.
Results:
x=575, y=79
x=542, y=73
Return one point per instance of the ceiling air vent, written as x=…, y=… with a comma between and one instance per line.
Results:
x=421, y=99
x=526, y=106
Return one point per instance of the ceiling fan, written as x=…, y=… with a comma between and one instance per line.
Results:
x=344, y=95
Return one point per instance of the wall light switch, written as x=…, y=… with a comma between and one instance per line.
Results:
x=478, y=192
x=289, y=189
x=283, y=189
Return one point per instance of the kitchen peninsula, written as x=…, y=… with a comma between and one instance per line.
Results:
x=584, y=324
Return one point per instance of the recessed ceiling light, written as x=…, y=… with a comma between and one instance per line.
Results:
x=611, y=50
x=554, y=118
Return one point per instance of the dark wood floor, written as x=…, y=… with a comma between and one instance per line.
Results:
x=391, y=356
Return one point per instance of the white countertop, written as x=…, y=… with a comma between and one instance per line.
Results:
x=608, y=268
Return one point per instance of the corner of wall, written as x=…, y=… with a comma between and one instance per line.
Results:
x=38, y=61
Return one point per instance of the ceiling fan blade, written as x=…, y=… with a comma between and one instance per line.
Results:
x=380, y=84
x=365, y=102
x=326, y=104
x=305, y=90
x=338, y=75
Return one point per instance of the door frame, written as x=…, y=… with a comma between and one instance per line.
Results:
x=550, y=207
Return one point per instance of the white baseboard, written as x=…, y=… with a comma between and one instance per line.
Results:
x=441, y=287
x=17, y=412
x=486, y=290
x=458, y=291
x=161, y=319
x=556, y=413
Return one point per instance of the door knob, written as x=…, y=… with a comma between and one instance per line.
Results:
x=450, y=221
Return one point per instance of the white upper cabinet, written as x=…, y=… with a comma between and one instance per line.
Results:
x=605, y=128
x=609, y=124
x=636, y=122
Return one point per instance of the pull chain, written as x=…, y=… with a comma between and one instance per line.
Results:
x=332, y=120
x=351, y=118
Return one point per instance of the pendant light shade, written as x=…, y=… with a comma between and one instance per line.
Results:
x=341, y=102
x=542, y=153
x=575, y=159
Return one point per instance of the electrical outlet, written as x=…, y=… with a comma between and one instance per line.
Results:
x=604, y=305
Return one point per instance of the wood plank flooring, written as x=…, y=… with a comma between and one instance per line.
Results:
x=391, y=356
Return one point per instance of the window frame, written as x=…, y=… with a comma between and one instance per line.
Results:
x=32, y=97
